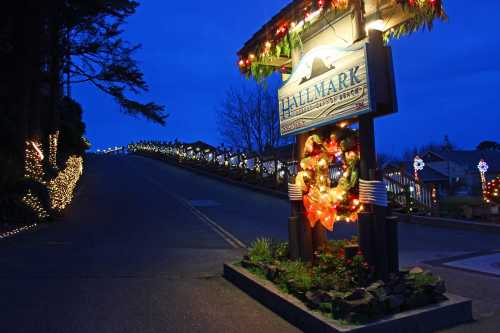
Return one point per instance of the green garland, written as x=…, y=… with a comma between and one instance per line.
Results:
x=424, y=13
x=259, y=70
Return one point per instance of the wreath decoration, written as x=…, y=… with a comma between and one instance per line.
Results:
x=323, y=202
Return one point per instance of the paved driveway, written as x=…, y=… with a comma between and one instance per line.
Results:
x=141, y=250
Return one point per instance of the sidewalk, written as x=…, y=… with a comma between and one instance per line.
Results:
x=484, y=291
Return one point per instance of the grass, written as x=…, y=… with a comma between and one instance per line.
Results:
x=453, y=206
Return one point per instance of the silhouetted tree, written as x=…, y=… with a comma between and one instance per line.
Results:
x=43, y=46
x=72, y=129
x=447, y=145
x=383, y=159
x=96, y=52
x=410, y=153
x=488, y=145
x=248, y=118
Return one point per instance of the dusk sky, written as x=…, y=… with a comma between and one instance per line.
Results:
x=448, y=80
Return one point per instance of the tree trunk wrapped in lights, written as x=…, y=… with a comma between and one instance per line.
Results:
x=62, y=187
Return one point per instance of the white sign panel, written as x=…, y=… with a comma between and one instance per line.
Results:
x=330, y=84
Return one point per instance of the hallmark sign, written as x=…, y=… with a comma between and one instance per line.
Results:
x=329, y=85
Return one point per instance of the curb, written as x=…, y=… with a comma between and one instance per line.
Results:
x=455, y=311
x=404, y=218
x=440, y=222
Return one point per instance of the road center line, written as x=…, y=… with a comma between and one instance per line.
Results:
x=226, y=235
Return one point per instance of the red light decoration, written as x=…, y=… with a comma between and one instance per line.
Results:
x=492, y=191
x=286, y=29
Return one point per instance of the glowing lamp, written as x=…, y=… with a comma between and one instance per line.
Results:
x=378, y=25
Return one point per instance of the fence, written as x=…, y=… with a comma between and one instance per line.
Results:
x=277, y=173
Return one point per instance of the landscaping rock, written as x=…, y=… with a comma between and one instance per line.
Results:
x=416, y=270
x=355, y=295
x=378, y=290
x=271, y=272
x=394, y=302
x=362, y=305
x=400, y=288
x=336, y=296
x=439, y=287
x=374, y=286
x=379, y=308
x=417, y=300
x=316, y=298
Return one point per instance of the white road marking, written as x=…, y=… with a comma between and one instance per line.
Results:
x=226, y=235
x=204, y=203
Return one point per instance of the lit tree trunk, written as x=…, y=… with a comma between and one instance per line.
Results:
x=56, y=62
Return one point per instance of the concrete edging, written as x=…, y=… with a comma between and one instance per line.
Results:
x=456, y=310
x=441, y=222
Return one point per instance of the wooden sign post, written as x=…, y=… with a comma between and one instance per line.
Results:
x=342, y=70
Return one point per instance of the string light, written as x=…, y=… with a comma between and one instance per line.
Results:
x=53, y=141
x=17, y=231
x=418, y=165
x=483, y=169
x=324, y=203
x=33, y=168
x=300, y=20
x=491, y=192
x=62, y=187
x=32, y=202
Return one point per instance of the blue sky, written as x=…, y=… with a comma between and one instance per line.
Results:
x=448, y=80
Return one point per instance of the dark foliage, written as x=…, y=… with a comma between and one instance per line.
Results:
x=488, y=145
x=72, y=129
x=99, y=55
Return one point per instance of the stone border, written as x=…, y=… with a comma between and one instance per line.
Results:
x=456, y=310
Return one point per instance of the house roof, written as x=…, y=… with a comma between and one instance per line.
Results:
x=429, y=174
x=201, y=145
x=470, y=158
x=426, y=175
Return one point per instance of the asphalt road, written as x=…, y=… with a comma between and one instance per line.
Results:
x=141, y=249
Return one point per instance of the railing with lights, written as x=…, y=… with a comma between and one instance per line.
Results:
x=111, y=150
x=275, y=173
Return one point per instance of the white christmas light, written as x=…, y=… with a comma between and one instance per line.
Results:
x=483, y=166
x=418, y=164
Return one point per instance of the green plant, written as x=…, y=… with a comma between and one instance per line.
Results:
x=261, y=251
x=424, y=279
x=333, y=270
x=453, y=206
x=280, y=251
x=296, y=276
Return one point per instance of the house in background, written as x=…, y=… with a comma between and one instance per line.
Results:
x=456, y=171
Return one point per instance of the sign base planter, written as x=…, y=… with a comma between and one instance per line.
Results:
x=456, y=310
